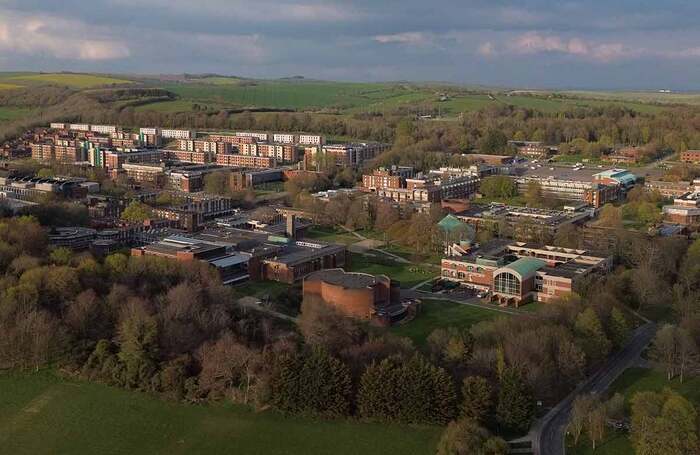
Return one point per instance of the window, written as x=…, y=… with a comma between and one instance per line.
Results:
x=507, y=283
x=479, y=269
x=461, y=275
x=470, y=268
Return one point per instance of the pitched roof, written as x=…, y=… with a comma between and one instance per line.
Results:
x=451, y=223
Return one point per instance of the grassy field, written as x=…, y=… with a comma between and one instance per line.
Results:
x=439, y=314
x=632, y=381
x=67, y=79
x=13, y=113
x=41, y=413
x=408, y=275
x=331, y=235
x=4, y=86
x=261, y=289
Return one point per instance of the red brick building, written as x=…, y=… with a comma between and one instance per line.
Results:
x=691, y=156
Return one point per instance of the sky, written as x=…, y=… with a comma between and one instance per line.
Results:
x=593, y=44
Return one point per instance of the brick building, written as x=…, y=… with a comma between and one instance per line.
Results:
x=690, y=156
x=236, y=160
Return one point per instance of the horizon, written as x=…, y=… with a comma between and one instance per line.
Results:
x=623, y=46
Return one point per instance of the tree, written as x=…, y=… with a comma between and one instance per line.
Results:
x=674, y=350
x=467, y=437
x=477, y=398
x=619, y=327
x=580, y=410
x=515, y=407
x=493, y=142
x=498, y=186
x=591, y=335
x=137, y=212
x=663, y=423
x=321, y=325
x=138, y=341
x=61, y=256
x=533, y=194
x=451, y=345
x=567, y=236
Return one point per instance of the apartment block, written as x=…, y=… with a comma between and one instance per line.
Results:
x=284, y=138
x=259, y=136
x=237, y=160
x=177, y=134
x=103, y=129
x=311, y=139
x=189, y=157
x=79, y=127
x=690, y=156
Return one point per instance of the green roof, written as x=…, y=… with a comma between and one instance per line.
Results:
x=451, y=223
x=526, y=267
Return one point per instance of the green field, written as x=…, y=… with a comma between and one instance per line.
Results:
x=4, y=86
x=67, y=79
x=261, y=289
x=13, y=113
x=435, y=314
x=331, y=235
x=41, y=413
x=636, y=380
x=408, y=275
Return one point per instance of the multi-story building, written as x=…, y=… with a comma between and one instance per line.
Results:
x=103, y=129
x=185, y=156
x=668, y=189
x=690, y=156
x=287, y=153
x=204, y=146
x=345, y=155
x=626, y=155
x=145, y=173
x=311, y=139
x=58, y=126
x=189, y=179
x=522, y=272
x=533, y=149
x=150, y=131
x=234, y=140
x=394, y=177
x=600, y=194
x=237, y=160
x=79, y=127
x=177, y=134
x=597, y=193
x=284, y=138
x=685, y=209
x=115, y=159
x=257, y=135
x=523, y=223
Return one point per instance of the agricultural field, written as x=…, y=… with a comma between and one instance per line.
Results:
x=636, y=380
x=5, y=86
x=42, y=413
x=436, y=314
x=80, y=81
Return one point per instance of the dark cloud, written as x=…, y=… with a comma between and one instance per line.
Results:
x=592, y=44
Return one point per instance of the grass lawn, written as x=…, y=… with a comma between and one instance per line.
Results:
x=261, y=289
x=635, y=380
x=441, y=313
x=4, y=86
x=42, y=413
x=408, y=275
x=331, y=235
x=13, y=113
x=69, y=79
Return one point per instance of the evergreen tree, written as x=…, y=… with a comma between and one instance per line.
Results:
x=619, y=327
x=515, y=408
x=477, y=398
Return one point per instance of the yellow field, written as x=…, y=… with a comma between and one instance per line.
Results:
x=8, y=86
x=70, y=80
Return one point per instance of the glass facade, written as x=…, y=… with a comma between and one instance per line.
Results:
x=507, y=283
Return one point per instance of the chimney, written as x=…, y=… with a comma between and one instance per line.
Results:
x=291, y=226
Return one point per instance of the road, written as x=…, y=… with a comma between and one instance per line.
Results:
x=548, y=433
x=469, y=301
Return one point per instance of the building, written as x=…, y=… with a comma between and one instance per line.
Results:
x=393, y=177
x=685, y=209
x=494, y=160
x=668, y=189
x=287, y=153
x=621, y=177
x=596, y=193
x=211, y=147
x=58, y=126
x=522, y=272
x=103, y=129
x=151, y=131
x=344, y=155
x=177, y=134
x=690, y=156
x=599, y=194
x=184, y=156
x=626, y=155
x=533, y=149
x=112, y=159
x=524, y=223
x=79, y=127
x=232, y=139
x=284, y=138
x=264, y=137
x=357, y=295
x=241, y=254
x=311, y=139
x=236, y=160
x=75, y=238
x=151, y=173
x=189, y=179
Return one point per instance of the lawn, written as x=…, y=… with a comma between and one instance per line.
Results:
x=408, y=275
x=4, y=86
x=435, y=314
x=635, y=380
x=331, y=235
x=42, y=413
x=69, y=79
x=261, y=289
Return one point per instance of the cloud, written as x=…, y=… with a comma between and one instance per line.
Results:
x=56, y=37
x=410, y=38
x=486, y=49
x=536, y=43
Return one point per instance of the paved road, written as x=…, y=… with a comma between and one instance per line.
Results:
x=548, y=433
x=471, y=301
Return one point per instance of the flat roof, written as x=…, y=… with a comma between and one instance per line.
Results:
x=348, y=280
